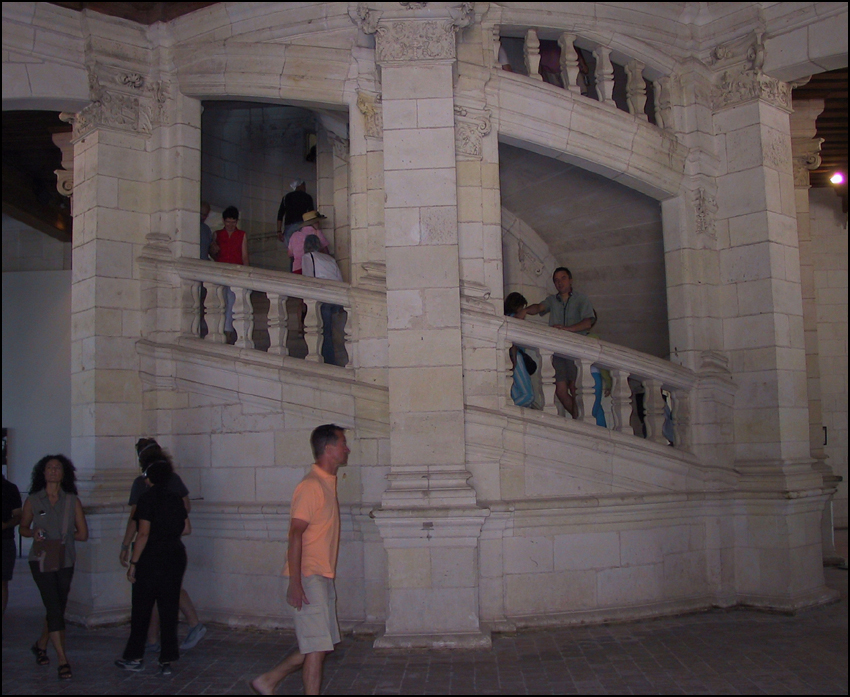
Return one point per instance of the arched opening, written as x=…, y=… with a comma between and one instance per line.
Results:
x=610, y=236
x=252, y=155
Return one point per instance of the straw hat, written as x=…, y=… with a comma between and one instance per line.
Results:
x=311, y=217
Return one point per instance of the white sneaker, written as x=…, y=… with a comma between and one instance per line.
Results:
x=195, y=634
x=135, y=666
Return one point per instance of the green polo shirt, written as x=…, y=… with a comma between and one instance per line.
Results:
x=574, y=310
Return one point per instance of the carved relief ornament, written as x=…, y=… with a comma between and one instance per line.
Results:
x=122, y=100
x=740, y=85
x=705, y=208
x=777, y=150
x=471, y=125
x=369, y=105
x=415, y=40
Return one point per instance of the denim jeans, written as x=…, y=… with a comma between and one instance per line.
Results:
x=328, y=311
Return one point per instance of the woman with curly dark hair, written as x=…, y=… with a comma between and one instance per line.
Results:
x=53, y=516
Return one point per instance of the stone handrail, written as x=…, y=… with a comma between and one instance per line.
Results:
x=625, y=365
x=242, y=280
x=604, y=79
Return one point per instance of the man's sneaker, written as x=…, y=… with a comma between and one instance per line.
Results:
x=135, y=666
x=153, y=647
x=195, y=634
x=165, y=669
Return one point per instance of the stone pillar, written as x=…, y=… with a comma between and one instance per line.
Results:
x=136, y=191
x=763, y=335
x=111, y=217
x=805, y=150
x=429, y=519
x=760, y=265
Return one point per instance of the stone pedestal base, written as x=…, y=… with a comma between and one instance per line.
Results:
x=432, y=573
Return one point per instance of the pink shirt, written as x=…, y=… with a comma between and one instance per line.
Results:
x=296, y=244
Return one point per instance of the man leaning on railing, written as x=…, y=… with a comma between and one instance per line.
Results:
x=571, y=311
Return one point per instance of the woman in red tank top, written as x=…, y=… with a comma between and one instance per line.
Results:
x=232, y=242
x=232, y=249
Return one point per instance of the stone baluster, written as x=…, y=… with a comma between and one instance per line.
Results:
x=682, y=419
x=497, y=44
x=569, y=62
x=243, y=318
x=190, y=315
x=277, y=324
x=662, y=103
x=531, y=51
x=621, y=397
x=313, y=331
x=348, y=336
x=636, y=89
x=586, y=392
x=604, y=74
x=547, y=382
x=215, y=314
x=653, y=404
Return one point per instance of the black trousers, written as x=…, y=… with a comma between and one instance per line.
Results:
x=54, y=587
x=157, y=581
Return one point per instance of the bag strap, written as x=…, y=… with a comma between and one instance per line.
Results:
x=70, y=505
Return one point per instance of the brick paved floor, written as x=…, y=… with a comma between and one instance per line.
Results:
x=733, y=652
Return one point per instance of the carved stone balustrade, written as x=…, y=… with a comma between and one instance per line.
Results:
x=278, y=287
x=639, y=95
x=667, y=387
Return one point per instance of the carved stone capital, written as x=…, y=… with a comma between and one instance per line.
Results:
x=740, y=85
x=369, y=104
x=471, y=125
x=415, y=40
x=122, y=100
x=806, y=162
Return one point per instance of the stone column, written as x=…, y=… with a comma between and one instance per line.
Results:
x=760, y=266
x=763, y=334
x=805, y=150
x=429, y=519
x=111, y=217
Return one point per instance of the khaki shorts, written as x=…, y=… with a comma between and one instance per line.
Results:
x=315, y=624
x=565, y=369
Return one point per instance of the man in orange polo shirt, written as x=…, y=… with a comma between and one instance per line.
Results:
x=311, y=564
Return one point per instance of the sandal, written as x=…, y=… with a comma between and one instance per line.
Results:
x=41, y=658
x=65, y=671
